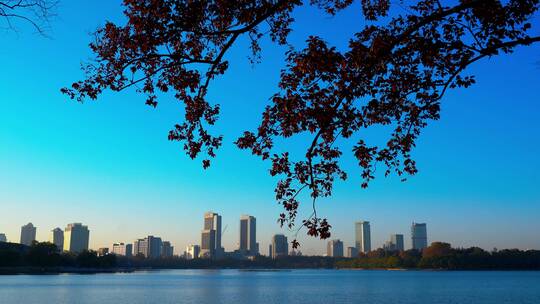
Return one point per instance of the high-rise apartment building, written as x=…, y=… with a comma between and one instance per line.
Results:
x=167, y=250
x=352, y=252
x=248, y=235
x=208, y=240
x=76, y=237
x=149, y=247
x=57, y=238
x=334, y=248
x=419, y=236
x=193, y=251
x=140, y=247
x=3, y=238
x=122, y=249
x=211, y=235
x=28, y=234
x=280, y=246
x=155, y=245
x=363, y=236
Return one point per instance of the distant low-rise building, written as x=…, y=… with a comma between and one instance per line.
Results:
x=122, y=249
x=295, y=252
x=28, y=234
x=76, y=237
x=280, y=246
x=103, y=251
x=334, y=248
x=57, y=238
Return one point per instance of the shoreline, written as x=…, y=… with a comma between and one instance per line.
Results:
x=62, y=270
x=89, y=271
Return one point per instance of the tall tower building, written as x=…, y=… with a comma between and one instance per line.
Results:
x=280, y=246
x=28, y=234
x=211, y=235
x=248, y=235
x=419, y=236
x=334, y=248
x=57, y=238
x=397, y=240
x=363, y=236
x=76, y=237
x=3, y=238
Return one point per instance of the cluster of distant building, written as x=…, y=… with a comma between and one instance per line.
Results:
x=75, y=238
x=148, y=247
x=362, y=230
x=248, y=247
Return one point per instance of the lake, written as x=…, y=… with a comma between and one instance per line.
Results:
x=296, y=286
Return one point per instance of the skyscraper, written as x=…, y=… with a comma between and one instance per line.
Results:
x=211, y=235
x=352, y=252
x=419, y=236
x=76, y=237
x=334, y=248
x=140, y=247
x=363, y=236
x=280, y=246
x=155, y=245
x=208, y=240
x=3, y=238
x=57, y=238
x=149, y=247
x=167, y=250
x=28, y=234
x=193, y=251
x=248, y=235
x=397, y=240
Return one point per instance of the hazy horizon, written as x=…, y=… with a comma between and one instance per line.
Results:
x=109, y=165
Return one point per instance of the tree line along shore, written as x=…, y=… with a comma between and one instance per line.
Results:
x=46, y=258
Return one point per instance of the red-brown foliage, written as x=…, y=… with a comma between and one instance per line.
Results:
x=394, y=73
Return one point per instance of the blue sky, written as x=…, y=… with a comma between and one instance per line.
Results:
x=109, y=165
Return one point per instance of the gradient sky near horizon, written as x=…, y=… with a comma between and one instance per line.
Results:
x=109, y=165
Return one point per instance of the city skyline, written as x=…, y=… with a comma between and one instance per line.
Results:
x=62, y=162
x=155, y=247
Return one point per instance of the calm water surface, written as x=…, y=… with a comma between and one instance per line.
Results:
x=297, y=286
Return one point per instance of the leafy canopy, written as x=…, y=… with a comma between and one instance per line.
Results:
x=394, y=72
